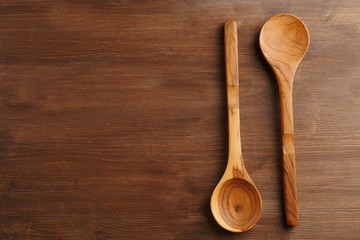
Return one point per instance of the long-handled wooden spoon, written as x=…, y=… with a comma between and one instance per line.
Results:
x=236, y=202
x=284, y=40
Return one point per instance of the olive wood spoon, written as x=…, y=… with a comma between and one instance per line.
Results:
x=235, y=203
x=284, y=40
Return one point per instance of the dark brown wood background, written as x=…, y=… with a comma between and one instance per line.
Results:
x=113, y=119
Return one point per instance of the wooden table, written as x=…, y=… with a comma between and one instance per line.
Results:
x=113, y=119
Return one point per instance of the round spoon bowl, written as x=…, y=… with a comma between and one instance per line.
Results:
x=236, y=205
x=284, y=38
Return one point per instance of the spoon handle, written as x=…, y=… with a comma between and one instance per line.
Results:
x=289, y=172
x=232, y=86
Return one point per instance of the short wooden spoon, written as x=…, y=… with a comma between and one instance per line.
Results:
x=284, y=40
x=235, y=203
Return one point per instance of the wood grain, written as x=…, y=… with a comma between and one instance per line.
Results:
x=284, y=40
x=113, y=119
x=235, y=203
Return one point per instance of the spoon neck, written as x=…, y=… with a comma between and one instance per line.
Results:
x=286, y=102
x=235, y=160
x=285, y=75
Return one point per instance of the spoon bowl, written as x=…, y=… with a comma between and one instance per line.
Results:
x=284, y=40
x=235, y=203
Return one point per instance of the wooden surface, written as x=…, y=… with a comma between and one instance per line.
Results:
x=113, y=121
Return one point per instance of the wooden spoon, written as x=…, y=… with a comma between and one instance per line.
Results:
x=235, y=203
x=284, y=40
